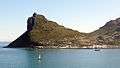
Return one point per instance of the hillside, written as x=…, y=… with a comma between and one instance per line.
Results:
x=49, y=34
x=109, y=33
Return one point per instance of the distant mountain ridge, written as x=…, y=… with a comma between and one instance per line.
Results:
x=110, y=32
x=3, y=43
x=49, y=34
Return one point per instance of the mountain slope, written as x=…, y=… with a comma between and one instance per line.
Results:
x=49, y=34
x=110, y=32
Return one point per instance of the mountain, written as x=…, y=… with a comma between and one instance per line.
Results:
x=49, y=34
x=108, y=34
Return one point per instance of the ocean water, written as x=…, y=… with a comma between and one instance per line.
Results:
x=58, y=58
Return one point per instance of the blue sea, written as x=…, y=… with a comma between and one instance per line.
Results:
x=58, y=58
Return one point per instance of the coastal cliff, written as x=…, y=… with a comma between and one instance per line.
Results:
x=49, y=34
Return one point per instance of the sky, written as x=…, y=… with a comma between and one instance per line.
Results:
x=82, y=15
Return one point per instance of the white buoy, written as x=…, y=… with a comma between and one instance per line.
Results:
x=39, y=57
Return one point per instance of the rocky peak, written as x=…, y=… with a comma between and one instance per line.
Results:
x=41, y=19
x=113, y=22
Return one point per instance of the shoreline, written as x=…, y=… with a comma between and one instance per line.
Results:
x=57, y=48
x=84, y=47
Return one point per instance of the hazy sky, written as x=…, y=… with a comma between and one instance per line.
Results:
x=81, y=15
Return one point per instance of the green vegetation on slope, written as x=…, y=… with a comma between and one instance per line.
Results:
x=110, y=32
x=49, y=34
